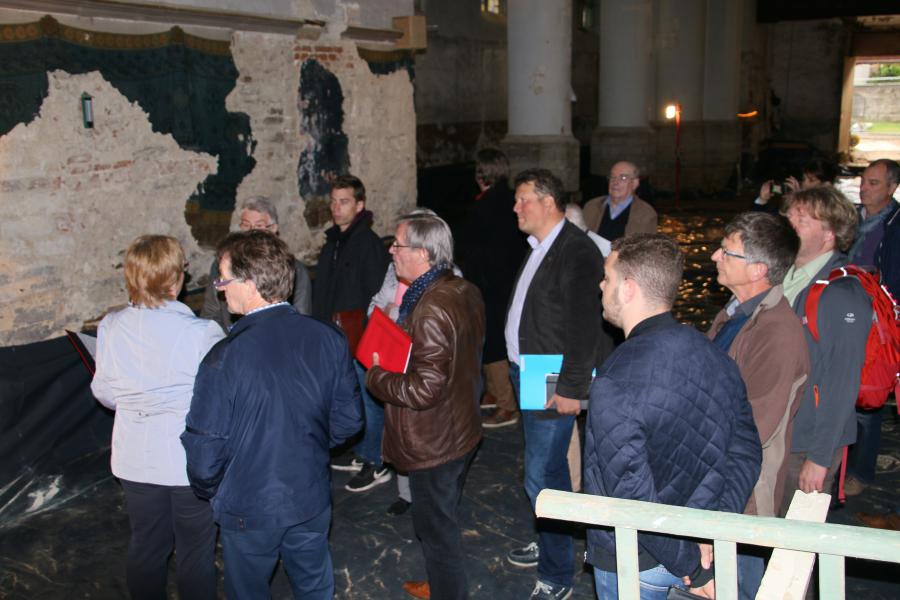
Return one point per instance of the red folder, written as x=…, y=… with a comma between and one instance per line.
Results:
x=385, y=337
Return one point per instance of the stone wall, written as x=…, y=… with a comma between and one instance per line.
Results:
x=806, y=65
x=876, y=103
x=72, y=199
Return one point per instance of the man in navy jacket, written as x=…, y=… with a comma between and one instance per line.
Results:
x=668, y=421
x=269, y=401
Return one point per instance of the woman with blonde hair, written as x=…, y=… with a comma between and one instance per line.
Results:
x=147, y=357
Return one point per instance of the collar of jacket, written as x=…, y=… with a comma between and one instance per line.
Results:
x=653, y=323
x=259, y=317
x=363, y=219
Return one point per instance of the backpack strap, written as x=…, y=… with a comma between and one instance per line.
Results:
x=811, y=307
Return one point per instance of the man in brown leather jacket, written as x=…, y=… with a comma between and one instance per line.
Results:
x=432, y=423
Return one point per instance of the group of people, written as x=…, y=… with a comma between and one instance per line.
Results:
x=234, y=421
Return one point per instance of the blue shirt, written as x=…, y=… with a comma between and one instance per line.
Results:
x=615, y=211
x=147, y=359
x=514, y=317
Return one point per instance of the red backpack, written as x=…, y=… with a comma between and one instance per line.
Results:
x=879, y=371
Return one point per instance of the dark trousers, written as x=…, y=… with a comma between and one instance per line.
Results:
x=161, y=517
x=436, y=494
x=251, y=555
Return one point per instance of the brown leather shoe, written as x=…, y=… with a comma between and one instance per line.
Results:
x=853, y=486
x=889, y=520
x=500, y=418
x=418, y=589
x=488, y=401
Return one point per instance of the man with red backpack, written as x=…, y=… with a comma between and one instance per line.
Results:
x=826, y=224
x=876, y=246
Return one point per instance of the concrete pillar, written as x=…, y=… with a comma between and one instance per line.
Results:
x=721, y=90
x=627, y=96
x=679, y=66
x=539, y=44
x=681, y=34
x=722, y=64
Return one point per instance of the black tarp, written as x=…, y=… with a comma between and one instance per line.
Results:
x=54, y=436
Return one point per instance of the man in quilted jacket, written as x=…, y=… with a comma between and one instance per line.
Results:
x=668, y=422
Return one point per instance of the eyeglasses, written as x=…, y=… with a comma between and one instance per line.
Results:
x=395, y=246
x=247, y=226
x=221, y=283
x=727, y=252
x=623, y=178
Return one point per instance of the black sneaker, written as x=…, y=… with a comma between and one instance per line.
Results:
x=348, y=462
x=399, y=507
x=524, y=557
x=548, y=591
x=368, y=477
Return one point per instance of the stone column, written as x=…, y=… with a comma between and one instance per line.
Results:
x=539, y=55
x=681, y=35
x=721, y=90
x=626, y=86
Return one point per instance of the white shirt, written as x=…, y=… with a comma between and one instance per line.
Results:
x=514, y=317
x=147, y=359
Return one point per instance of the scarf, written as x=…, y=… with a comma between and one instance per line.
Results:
x=417, y=288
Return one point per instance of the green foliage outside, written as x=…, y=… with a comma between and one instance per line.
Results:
x=885, y=70
x=884, y=127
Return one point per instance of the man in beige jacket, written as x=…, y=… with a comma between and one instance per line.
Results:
x=622, y=212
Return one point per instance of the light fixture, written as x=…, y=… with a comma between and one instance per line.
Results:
x=87, y=110
x=671, y=110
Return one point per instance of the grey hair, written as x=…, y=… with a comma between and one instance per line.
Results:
x=767, y=239
x=261, y=204
x=891, y=167
x=432, y=234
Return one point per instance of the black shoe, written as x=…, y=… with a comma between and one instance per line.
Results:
x=368, y=478
x=399, y=507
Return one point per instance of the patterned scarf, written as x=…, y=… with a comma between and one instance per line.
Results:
x=417, y=288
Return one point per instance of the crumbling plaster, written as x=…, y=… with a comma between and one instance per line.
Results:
x=379, y=120
x=72, y=199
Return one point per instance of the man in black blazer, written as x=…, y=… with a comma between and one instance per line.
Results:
x=555, y=309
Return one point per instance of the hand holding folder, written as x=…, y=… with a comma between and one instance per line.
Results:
x=385, y=337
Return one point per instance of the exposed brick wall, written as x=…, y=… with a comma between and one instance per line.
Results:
x=71, y=200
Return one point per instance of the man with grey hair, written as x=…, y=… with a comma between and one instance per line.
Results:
x=760, y=331
x=256, y=213
x=622, y=212
x=432, y=424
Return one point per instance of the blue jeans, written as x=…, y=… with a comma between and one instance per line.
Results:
x=250, y=557
x=547, y=436
x=369, y=447
x=655, y=583
x=863, y=455
x=751, y=566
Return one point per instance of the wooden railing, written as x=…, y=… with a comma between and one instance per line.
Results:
x=796, y=537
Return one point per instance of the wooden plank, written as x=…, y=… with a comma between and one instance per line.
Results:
x=788, y=573
x=831, y=577
x=627, y=564
x=726, y=570
x=860, y=542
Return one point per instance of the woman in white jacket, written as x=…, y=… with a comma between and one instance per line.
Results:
x=147, y=357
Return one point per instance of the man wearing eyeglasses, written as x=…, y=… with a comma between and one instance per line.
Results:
x=760, y=331
x=622, y=212
x=269, y=401
x=256, y=213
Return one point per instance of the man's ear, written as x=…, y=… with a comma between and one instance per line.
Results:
x=628, y=290
x=360, y=206
x=759, y=271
